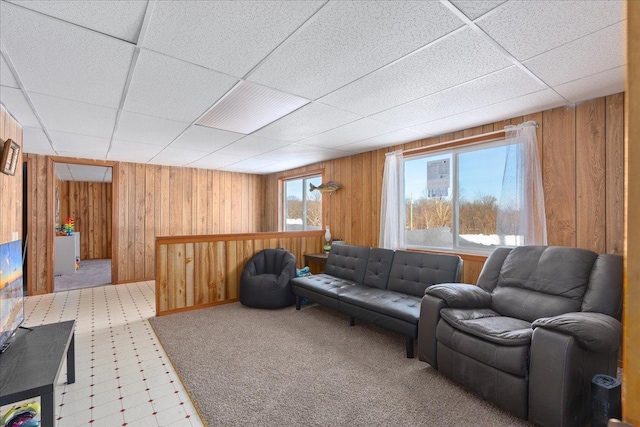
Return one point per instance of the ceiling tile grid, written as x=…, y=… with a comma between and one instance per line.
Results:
x=173, y=156
x=476, y=8
x=35, y=141
x=592, y=86
x=148, y=129
x=81, y=145
x=347, y=40
x=351, y=132
x=64, y=60
x=6, y=76
x=454, y=59
x=252, y=146
x=118, y=18
x=204, y=139
x=216, y=161
x=127, y=151
x=15, y=102
x=392, y=138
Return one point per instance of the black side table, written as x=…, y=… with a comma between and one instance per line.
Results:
x=31, y=365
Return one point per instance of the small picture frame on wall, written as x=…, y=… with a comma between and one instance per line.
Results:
x=9, y=157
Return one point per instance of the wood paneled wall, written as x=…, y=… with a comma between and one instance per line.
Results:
x=581, y=148
x=89, y=204
x=10, y=185
x=199, y=271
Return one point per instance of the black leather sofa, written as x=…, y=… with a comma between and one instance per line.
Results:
x=541, y=322
x=379, y=286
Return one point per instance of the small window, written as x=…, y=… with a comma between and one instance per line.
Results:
x=302, y=208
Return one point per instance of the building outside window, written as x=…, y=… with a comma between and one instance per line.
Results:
x=302, y=208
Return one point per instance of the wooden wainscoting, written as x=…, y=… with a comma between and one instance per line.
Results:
x=201, y=271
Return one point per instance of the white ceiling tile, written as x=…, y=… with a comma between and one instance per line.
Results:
x=528, y=28
x=275, y=167
x=216, y=161
x=393, y=138
x=172, y=89
x=252, y=146
x=126, y=151
x=6, y=76
x=205, y=139
x=249, y=165
x=18, y=107
x=306, y=122
x=172, y=156
x=231, y=37
x=527, y=104
x=82, y=173
x=351, y=132
x=500, y=86
x=121, y=19
x=34, y=141
x=594, y=86
x=597, y=52
x=147, y=129
x=307, y=153
x=452, y=60
x=91, y=146
x=74, y=117
x=62, y=171
x=347, y=40
x=475, y=8
x=64, y=60
x=249, y=106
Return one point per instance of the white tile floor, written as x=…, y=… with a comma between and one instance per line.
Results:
x=123, y=376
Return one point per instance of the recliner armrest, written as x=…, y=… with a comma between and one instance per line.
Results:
x=460, y=295
x=593, y=331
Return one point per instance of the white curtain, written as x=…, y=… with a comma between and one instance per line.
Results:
x=391, y=212
x=521, y=217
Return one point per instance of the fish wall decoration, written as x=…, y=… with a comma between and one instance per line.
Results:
x=329, y=187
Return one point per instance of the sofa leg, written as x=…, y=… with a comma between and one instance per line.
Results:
x=297, y=302
x=409, y=348
x=352, y=321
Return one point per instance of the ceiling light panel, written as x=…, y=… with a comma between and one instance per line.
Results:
x=205, y=139
x=17, y=105
x=594, y=86
x=126, y=151
x=249, y=107
x=499, y=86
x=310, y=120
x=60, y=59
x=172, y=89
x=74, y=117
x=6, y=76
x=580, y=58
x=476, y=8
x=147, y=129
x=231, y=37
x=34, y=141
x=522, y=27
x=121, y=19
x=347, y=40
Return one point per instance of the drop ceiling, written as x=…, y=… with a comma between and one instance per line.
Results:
x=265, y=86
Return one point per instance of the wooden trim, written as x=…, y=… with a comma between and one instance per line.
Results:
x=492, y=136
x=79, y=161
x=464, y=256
x=196, y=307
x=164, y=240
x=124, y=282
x=50, y=224
x=27, y=161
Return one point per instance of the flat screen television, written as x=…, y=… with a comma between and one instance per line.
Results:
x=11, y=294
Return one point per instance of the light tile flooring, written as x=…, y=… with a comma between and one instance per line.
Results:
x=123, y=376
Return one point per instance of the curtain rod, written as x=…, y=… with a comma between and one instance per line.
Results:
x=488, y=136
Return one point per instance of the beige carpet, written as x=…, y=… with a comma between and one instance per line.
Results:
x=245, y=366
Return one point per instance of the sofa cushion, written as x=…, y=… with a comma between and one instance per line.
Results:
x=347, y=262
x=326, y=284
x=413, y=272
x=513, y=359
x=394, y=304
x=488, y=325
x=378, y=268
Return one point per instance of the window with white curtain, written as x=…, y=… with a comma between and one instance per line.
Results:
x=469, y=199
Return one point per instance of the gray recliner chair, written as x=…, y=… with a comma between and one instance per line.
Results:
x=264, y=282
x=541, y=322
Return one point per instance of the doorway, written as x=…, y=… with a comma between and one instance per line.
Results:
x=83, y=218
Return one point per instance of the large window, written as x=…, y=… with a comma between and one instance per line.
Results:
x=302, y=208
x=462, y=199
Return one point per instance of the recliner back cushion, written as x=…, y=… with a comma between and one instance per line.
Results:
x=347, y=262
x=604, y=294
x=413, y=272
x=542, y=281
x=378, y=268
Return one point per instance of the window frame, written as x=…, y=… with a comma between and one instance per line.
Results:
x=282, y=202
x=454, y=148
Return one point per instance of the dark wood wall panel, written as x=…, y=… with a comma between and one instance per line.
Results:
x=581, y=151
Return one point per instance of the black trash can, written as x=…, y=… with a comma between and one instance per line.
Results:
x=606, y=400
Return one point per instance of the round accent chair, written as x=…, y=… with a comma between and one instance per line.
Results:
x=264, y=282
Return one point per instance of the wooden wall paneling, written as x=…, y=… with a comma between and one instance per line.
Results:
x=39, y=242
x=590, y=175
x=162, y=278
x=220, y=278
x=614, y=180
x=559, y=175
x=123, y=216
x=139, y=208
x=150, y=209
x=49, y=224
x=231, y=269
x=347, y=207
x=189, y=272
x=167, y=199
x=358, y=208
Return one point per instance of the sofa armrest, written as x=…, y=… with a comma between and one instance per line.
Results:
x=593, y=331
x=460, y=295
